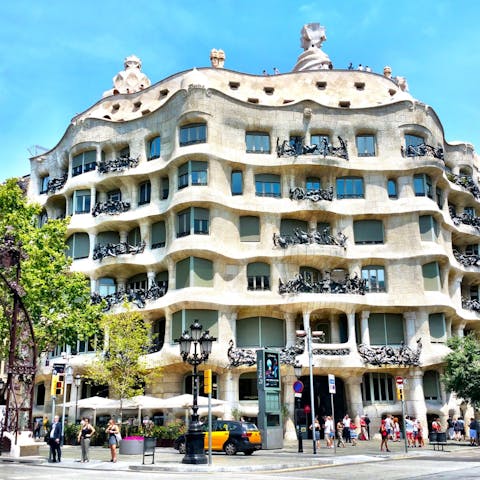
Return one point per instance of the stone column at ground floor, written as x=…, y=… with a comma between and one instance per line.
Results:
x=353, y=393
x=289, y=401
x=415, y=398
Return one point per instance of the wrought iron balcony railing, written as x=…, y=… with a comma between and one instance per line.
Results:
x=326, y=149
x=466, y=182
x=422, y=150
x=55, y=184
x=118, y=164
x=304, y=284
x=467, y=260
x=465, y=218
x=471, y=304
x=314, y=237
x=103, y=250
x=111, y=207
x=300, y=193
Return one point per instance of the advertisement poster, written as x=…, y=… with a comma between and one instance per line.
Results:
x=272, y=371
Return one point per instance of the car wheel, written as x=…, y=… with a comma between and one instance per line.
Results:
x=182, y=448
x=230, y=448
x=249, y=452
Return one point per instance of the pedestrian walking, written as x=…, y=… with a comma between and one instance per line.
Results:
x=315, y=428
x=113, y=438
x=54, y=437
x=340, y=442
x=329, y=431
x=84, y=438
x=383, y=436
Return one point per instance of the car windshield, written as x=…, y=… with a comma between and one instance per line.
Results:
x=250, y=426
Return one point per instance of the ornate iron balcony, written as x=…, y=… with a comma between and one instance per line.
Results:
x=287, y=149
x=301, y=284
x=300, y=193
x=467, y=260
x=391, y=355
x=471, y=304
x=110, y=207
x=56, y=184
x=103, y=250
x=301, y=237
x=466, y=182
x=138, y=297
x=118, y=164
x=422, y=150
x=465, y=218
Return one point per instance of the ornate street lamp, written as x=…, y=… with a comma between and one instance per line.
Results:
x=202, y=347
x=78, y=382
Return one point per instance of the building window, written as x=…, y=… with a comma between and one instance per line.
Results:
x=237, y=182
x=439, y=195
x=154, y=148
x=158, y=234
x=324, y=227
x=193, y=133
x=368, y=232
x=472, y=249
x=249, y=229
x=260, y=332
x=267, y=185
x=138, y=282
x=431, y=385
x=322, y=142
x=78, y=245
x=349, y=187
x=310, y=275
x=469, y=211
x=374, y=275
x=413, y=141
x=134, y=238
x=192, y=173
x=108, y=237
x=288, y=226
x=106, y=286
x=429, y=229
x=258, y=276
x=44, y=184
x=312, y=184
x=114, y=196
x=81, y=202
x=40, y=395
x=193, y=220
x=84, y=162
x=157, y=334
x=165, y=185
x=392, y=188
x=377, y=387
x=247, y=386
x=422, y=185
x=365, y=145
x=438, y=330
x=194, y=272
x=431, y=276
x=257, y=142
x=144, y=192
x=386, y=329
x=182, y=320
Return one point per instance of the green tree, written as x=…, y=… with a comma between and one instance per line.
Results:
x=462, y=371
x=57, y=299
x=122, y=366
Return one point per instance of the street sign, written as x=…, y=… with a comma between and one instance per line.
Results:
x=298, y=387
x=399, y=380
x=331, y=384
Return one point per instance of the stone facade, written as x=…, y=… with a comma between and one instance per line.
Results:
x=198, y=158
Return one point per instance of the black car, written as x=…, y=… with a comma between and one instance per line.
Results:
x=228, y=436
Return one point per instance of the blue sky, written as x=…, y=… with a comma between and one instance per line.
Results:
x=58, y=57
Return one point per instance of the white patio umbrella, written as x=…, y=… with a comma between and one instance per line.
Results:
x=186, y=401
x=94, y=403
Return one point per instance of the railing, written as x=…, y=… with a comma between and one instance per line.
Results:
x=465, y=218
x=467, y=260
x=288, y=149
x=402, y=355
x=110, y=207
x=300, y=193
x=56, y=184
x=466, y=182
x=103, y=250
x=471, y=304
x=304, y=284
x=422, y=150
x=118, y=164
x=301, y=237
x=138, y=297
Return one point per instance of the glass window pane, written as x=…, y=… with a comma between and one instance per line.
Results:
x=394, y=328
x=272, y=332
x=249, y=229
x=237, y=183
x=248, y=332
x=436, y=322
x=392, y=189
x=182, y=273
x=431, y=276
x=368, y=231
x=376, y=327
x=365, y=145
x=202, y=272
x=257, y=142
x=158, y=234
x=154, y=148
x=289, y=225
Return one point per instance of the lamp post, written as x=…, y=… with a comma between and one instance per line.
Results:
x=297, y=368
x=202, y=347
x=309, y=334
x=78, y=382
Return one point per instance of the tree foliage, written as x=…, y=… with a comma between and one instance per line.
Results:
x=57, y=300
x=462, y=371
x=122, y=366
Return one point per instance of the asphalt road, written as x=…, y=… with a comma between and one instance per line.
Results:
x=460, y=466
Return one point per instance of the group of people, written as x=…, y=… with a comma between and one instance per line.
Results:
x=456, y=429
x=345, y=430
x=360, y=67
x=53, y=437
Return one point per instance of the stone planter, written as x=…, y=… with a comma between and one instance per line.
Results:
x=131, y=447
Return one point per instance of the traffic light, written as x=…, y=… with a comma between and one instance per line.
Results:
x=207, y=381
x=59, y=384
x=54, y=385
x=399, y=393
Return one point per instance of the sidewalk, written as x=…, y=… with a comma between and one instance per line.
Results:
x=168, y=459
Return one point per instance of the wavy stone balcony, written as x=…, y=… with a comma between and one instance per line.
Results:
x=296, y=148
x=103, y=250
x=422, y=150
x=465, y=182
x=466, y=260
x=314, y=237
x=111, y=207
x=472, y=304
x=300, y=193
x=304, y=284
x=465, y=218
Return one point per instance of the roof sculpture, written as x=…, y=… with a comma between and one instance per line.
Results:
x=313, y=58
x=131, y=79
